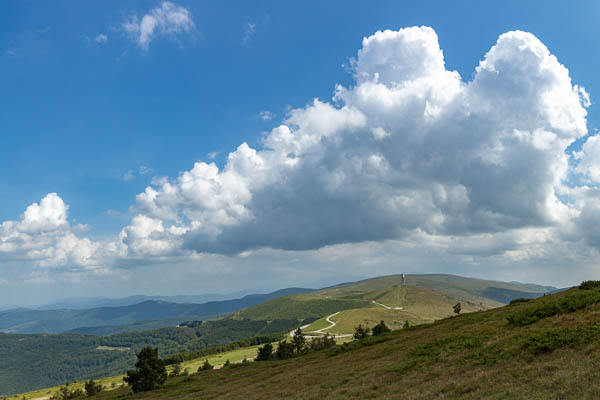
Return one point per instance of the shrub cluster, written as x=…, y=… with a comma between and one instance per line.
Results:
x=206, y=366
x=92, y=387
x=550, y=340
x=568, y=304
x=298, y=345
x=588, y=285
x=65, y=393
x=194, y=354
x=520, y=300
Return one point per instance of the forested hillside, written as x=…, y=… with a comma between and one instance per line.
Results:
x=29, y=362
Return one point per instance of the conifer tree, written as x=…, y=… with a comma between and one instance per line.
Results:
x=149, y=372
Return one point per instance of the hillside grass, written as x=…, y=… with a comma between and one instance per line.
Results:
x=472, y=356
x=301, y=307
x=393, y=296
x=419, y=305
x=347, y=320
x=113, y=382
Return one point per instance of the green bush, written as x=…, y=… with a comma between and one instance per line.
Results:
x=176, y=371
x=588, y=285
x=265, y=352
x=533, y=314
x=549, y=340
x=519, y=301
x=322, y=343
x=285, y=350
x=380, y=329
x=92, y=387
x=568, y=304
x=361, y=332
x=64, y=393
x=205, y=367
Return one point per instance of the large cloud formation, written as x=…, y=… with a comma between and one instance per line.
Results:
x=411, y=152
x=410, y=147
x=44, y=235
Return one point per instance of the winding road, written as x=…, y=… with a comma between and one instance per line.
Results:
x=320, y=331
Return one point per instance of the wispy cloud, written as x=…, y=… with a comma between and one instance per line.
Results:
x=144, y=170
x=266, y=115
x=25, y=42
x=167, y=20
x=101, y=39
x=249, y=31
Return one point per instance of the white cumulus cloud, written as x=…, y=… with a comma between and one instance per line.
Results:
x=43, y=235
x=409, y=162
x=410, y=147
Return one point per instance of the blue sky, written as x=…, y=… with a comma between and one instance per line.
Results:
x=92, y=113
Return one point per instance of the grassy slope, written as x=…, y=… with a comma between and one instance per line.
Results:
x=419, y=306
x=476, y=355
x=471, y=292
x=114, y=382
x=424, y=298
x=110, y=383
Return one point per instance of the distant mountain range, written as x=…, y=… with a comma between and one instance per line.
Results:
x=144, y=315
x=83, y=303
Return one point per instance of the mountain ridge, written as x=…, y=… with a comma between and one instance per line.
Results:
x=59, y=321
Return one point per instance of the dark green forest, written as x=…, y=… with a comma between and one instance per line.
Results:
x=29, y=362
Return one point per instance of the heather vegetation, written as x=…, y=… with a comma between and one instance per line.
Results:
x=588, y=295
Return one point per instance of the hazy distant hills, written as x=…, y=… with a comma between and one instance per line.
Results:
x=82, y=303
x=106, y=319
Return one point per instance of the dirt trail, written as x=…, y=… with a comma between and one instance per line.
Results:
x=330, y=321
x=387, y=307
x=320, y=332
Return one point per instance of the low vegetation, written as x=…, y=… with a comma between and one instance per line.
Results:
x=554, y=306
x=474, y=355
